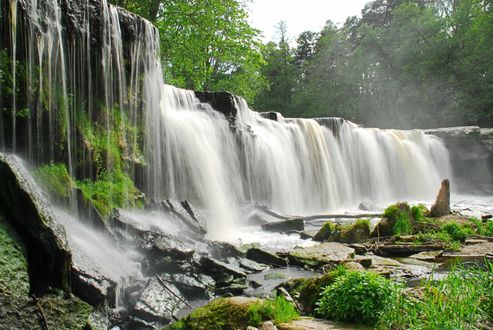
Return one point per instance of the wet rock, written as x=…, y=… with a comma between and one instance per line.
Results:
x=158, y=304
x=235, y=288
x=216, y=268
x=474, y=253
x=195, y=214
x=407, y=249
x=190, y=286
x=252, y=265
x=325, y=232
x=195, y=223
x=285, y=226
x=265, y=257
x=87, y=212
x=319, y=255
x=428, y=255
x=93, y=288
x=442, y=204
x=28, y=211
x=308, y=234
x=224, y=250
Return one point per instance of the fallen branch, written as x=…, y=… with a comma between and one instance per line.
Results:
x=264, y=209
x=40, y=313
x=160, y=280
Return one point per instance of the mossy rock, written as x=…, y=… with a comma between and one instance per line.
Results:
x=220, y=314
x=17, y=309
x=353, y=233
x=396, y=220
x=324, y=234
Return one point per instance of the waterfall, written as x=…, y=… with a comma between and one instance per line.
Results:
x=98, y=71
x=292, y=165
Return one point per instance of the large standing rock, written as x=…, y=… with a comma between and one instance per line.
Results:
x=26, y=207
x=442, y=204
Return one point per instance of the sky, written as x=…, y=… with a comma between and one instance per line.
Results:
x=300, y=15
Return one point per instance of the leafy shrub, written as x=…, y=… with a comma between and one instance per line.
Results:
x=461, y=301
x=357, y=297
x=457, y=232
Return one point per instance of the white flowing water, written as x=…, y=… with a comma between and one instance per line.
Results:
x=295, y=166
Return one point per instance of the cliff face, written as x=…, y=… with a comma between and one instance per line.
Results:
x=471, y=152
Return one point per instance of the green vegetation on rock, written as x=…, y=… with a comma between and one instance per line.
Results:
x=278, y=310
x=352, y=233
x=18, y=310
x=111, y=190
x=55, y=180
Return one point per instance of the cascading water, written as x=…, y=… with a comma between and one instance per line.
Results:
x=96, y=74
x=293, y=165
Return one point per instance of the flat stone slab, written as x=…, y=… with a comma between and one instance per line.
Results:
x=325, y=253
x=476, y=252
x=308, y=323
x=427, y=255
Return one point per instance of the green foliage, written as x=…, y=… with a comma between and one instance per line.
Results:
x=483, y=228
x=358, y=297
x=419, y=212
x=55, y=180
x=457, y=232
x=111, y=190
x=278, y=310
x=309, y=290
x=461, y=301
x=400, y=217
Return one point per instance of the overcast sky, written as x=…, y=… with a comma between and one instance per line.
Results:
x=300, y=15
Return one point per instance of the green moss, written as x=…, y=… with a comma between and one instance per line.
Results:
x=55, y=180
x=17, y=309
x=14, y=279
x=397, y=220
x=352, y=233
x=220, y=314
x=457, y=232
x=325, y=232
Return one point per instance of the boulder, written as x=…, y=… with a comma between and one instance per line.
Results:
x=354, y=233
x=427, y=255
x=157, y=303
x=256, y=220
x=265, y=257
x=28, y=210
x=385, y=227
x=216, y=268
x=323, y=254
x=223, y=313
x=442, y=204
x=285, y=226
x=196, y=223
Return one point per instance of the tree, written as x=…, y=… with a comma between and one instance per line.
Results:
x=280, y=72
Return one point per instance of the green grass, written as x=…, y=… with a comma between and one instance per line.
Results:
x=278, y=310
x=463, y=300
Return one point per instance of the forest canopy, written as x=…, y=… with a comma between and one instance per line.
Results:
x=402, y=64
